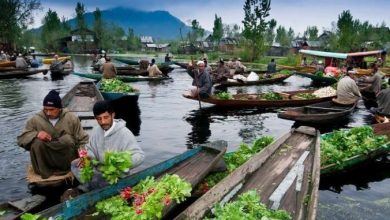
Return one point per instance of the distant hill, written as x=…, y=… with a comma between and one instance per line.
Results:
x=158, y=24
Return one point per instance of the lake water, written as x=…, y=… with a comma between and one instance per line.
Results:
x=169, y=124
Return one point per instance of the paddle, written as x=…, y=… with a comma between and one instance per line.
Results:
x=196, y=72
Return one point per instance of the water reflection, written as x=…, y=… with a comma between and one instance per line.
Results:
x=127, y=108
x=10, y=94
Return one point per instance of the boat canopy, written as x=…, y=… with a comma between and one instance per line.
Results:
x=341, y=55
x=324, y=54
x=366, y=53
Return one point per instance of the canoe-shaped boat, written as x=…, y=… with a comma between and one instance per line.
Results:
x=80, y=100
x=13, y=210
x=50, y=60
x=21, y=73
x=318, y=79
x=319, y=113
x=7, y=64
x=277, y=78
x=118, y=95
x=355, y=161
x=285, y=174
x=192, y=165
x=136, y=62
x=123, y=78
x=289, y=99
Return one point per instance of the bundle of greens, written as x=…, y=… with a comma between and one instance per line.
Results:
x=270, y=96
x=344, y=144
x=319, y=73
x=224, y=96
x=147, y=199
x=306, y=95
x=285, y=72
x=247, y=206
x=115, y=85
x=114, y=165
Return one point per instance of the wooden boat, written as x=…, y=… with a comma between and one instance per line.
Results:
x=21, y=73
x=277, y=78
x=318, y=79
x=117, y=95
x=319, y=113
x=127, y=61
x=13, y=210
x=286, y=175
x=80, y=100
x=192, y=165
x=250, y=100
x=350, y=163
x=7, y=64
x=123, y=78
x=50, y=60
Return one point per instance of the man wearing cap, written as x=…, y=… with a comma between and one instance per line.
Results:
x=20, y=62
x=53, y=137
x=111, y=135
x=347, y=90
x=3, y=56
x=202, y=81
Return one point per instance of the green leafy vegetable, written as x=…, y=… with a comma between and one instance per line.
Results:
x=319, y=73
x=29, y=216
x=306, y=95
x=247, y=206
x=147, y=199
x=224, y=96
x=2, y=213
x=114, y=165
x=115, y=85
x=341, y=145
x=270, y=96
x=285, y=72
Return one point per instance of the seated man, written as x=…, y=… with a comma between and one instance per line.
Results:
x=57, y=65
x=53, y=137
x=20, y=62
x=271, y=68
x=221, y=74
x=111, y=135
x=153, y=69
x=347, y=90
x=202, y=83
x=383, y=100
x=108, y=69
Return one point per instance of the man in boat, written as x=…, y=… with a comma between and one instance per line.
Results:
x=207, y=65
x=304, y=62
x=53, y=137
x=108, y=69
x=375, y=81
x=3, y=56
x=167, y=58
x=347, y=90
x=202, y=81
x=383, y=100
x=57, y=65
x=271, y=68
x=153, y=69
x=20, y=62
x=111, y=135
x=221, y=74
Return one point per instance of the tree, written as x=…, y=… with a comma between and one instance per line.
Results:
x=282, y=37
x=232, y=30
x=15, y=16
x=196, y=32
x=80, y=21
x=270, y=31
x=347, y=32
x=217, y=29
x=311, y=33
x=98, y=27
x=51, y=30
x=255, y=25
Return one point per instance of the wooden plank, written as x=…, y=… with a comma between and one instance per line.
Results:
x=28, y=203
x=206, y=202
x=312, y=208
x=327, y=109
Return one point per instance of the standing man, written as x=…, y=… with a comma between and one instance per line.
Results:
x=53, y=137
x=108, y=69
x=111, y=135
x=202, y=81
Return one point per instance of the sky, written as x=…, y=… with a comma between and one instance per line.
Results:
x=298, y=14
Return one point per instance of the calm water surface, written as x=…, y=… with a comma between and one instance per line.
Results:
x=170, y=124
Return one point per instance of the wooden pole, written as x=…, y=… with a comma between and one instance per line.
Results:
x=196, y=73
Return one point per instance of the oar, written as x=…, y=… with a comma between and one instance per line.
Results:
x=196, y=72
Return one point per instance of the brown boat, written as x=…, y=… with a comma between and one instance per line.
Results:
x=277, y=78
x=285, y=174
x=7, y=64
x=252, y=100
x=21, y=73
x=319, y=113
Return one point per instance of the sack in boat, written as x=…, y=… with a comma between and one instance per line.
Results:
x=252, y=77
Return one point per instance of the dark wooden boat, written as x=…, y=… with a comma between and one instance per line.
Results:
x=352, y=162
x=192, y=165
x=123, y=78
x=80, y=100
x=250, y=100
x=275, y=79
x=319, y=113
x=117, y=95
x=286, y=175
x=318, y=79
x=132, y=71
x=7, y=64
x=21, y=73
x=127, y=61
x=13, y=210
